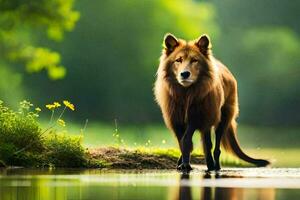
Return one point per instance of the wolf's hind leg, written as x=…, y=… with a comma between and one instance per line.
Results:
x=226, y=118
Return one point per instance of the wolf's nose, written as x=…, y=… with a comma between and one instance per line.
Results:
x=185, y=74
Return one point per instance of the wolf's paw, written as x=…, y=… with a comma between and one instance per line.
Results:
x=210, y=167
x=179, y=161
x=209, y=170
x=217, y=167
x=185, y=167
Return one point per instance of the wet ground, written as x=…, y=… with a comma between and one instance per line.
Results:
x=230, y=183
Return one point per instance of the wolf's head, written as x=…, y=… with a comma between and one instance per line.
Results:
x=185, y=62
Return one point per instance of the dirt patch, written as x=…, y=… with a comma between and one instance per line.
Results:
x=121, y=158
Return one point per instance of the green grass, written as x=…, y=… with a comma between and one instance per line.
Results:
x=279, y=145
x=60, y=149
x=24, y=143
x=98, y=134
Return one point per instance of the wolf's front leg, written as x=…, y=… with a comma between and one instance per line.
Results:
x=186, y=145
x=207, y=146
x=179, y=130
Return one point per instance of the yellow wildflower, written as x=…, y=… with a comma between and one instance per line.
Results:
x=163, y=141
x=69, y=105
x=38, y=109
x=61, y=122
x=56, y=104
x=50, y=106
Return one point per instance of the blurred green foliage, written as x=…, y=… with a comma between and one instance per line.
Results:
x=112, y=54
x=22, y=24
x=260, y=44
x=273, y=55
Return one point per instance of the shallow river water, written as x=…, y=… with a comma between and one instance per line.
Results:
x=230, y=183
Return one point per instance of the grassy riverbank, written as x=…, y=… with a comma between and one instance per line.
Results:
x=27, y=143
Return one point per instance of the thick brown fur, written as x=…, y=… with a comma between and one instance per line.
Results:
x=210, y=101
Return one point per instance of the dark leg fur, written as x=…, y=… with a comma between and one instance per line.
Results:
x=186, y=147
x=207, y=146
x=222, y=127
x=217, y=150
x=179, y=161
x=179, y=132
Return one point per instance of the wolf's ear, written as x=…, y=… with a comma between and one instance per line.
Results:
x=170, y=42
x=203, y=43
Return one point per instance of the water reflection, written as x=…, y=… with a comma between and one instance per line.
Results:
x=185, y=191
x=72, y=184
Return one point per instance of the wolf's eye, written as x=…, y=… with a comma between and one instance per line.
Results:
x=179, y=60
x=193, y=60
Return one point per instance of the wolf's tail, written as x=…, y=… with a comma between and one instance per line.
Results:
x=230, y=143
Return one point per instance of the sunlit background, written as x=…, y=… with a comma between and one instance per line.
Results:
x=103, y=56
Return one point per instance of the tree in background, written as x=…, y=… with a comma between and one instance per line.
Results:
x=260, y=42
x=114, y=54
x=21, y=24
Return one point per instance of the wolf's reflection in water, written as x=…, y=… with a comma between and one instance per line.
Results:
x=185, y=191
x=221, y=193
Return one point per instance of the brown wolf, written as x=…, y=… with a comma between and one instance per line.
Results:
x=195, y=91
